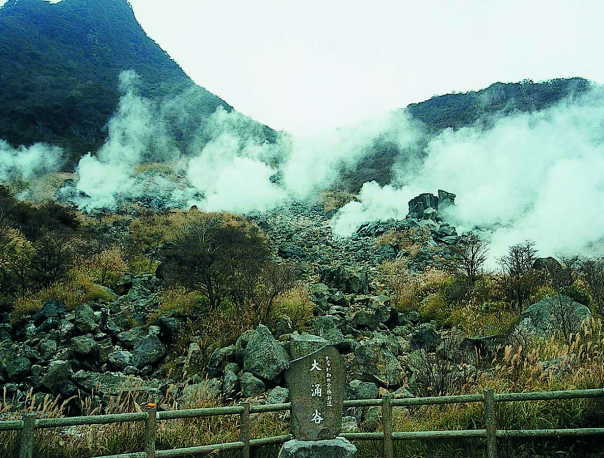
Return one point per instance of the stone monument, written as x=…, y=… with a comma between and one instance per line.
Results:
x=316, y=386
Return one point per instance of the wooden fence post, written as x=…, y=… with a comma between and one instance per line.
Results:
x=244, y=429
x=490, y=423
x=387, y=422
x=150, y=429
x=26, y=447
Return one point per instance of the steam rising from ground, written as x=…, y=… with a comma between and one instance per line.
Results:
x=26, y=163
x=536, y=176
x=228, y=165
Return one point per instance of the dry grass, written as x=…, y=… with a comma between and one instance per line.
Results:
x=296, y=305
x=77, y=288
x=176, y=300
x=411, y=289
x=334, y=200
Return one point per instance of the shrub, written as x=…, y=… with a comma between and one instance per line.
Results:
x=296, y=305
x=107, y=267
x=77, y=288
x=177, y=300
x=470, y=254
x=221, y=255
x=520, y=279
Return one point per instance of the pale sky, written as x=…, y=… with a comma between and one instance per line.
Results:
x=304, y=65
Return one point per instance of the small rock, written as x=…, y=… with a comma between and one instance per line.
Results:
x=250, y=385
x=277, y=395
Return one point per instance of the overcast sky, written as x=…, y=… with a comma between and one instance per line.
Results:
x=307, y=65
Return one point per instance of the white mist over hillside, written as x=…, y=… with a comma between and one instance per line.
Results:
x=232, y=167
x=27, y=163
x=531, y=176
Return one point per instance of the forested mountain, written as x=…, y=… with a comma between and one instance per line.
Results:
x=462, y=109
x=60, y=66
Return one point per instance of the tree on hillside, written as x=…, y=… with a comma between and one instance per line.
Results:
x=520, y=279
x=228, y=259
x=470, y=254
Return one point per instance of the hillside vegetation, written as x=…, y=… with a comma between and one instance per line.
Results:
x=102, y=313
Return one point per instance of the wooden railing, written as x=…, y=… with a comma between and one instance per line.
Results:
x=151, y=416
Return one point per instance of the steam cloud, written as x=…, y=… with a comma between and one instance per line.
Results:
x=228, y=165
x=537, y=176
x=27, y=163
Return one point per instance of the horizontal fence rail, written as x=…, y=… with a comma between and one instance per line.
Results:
x=29, y=423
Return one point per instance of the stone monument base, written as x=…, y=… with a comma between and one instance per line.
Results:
x=332, y=448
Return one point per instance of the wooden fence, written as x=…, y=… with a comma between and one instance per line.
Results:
x=151, y=416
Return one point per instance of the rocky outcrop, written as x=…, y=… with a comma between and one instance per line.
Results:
x=552, y=314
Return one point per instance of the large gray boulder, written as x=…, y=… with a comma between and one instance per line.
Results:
x=132, y=337
x=150, y=350
x=263, y=355
x=375, y=360
x=84, y=345
x=114, y=384
x=251, y=386
x=551, y=314
x=85, y=320
x=59, y=374
x=358, y=389
x=332, y=448
x=326, y=326
x=219, y=359
x=17, y=367
x=345, y=279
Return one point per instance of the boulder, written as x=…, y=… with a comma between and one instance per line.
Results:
x=445, y=199
x=263, y=355
x=365, y=319
x=48, y=348
x=419, y=204
x=219, y=359
x=132, y=337
x=120, y=359
x=345, y=279
x=84, y=345
x=85, y=320
x=17, y=368
x=58, y=375
x=426, y=337
x=551, y=314
x=50, y=309
x=250, y=385
x=230, y=383
x=375, y=360
x=358, y=389
x=114, y=384
x=277, y=395
x=332, y=448
x=169, y=326
x=150, y=350
x=326, y=326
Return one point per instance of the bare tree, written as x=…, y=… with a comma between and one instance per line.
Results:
x=470, y=256
x=519, y=276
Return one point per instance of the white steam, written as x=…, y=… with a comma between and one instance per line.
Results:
x=228, y=165
x=27, y=163
x=537, y=176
